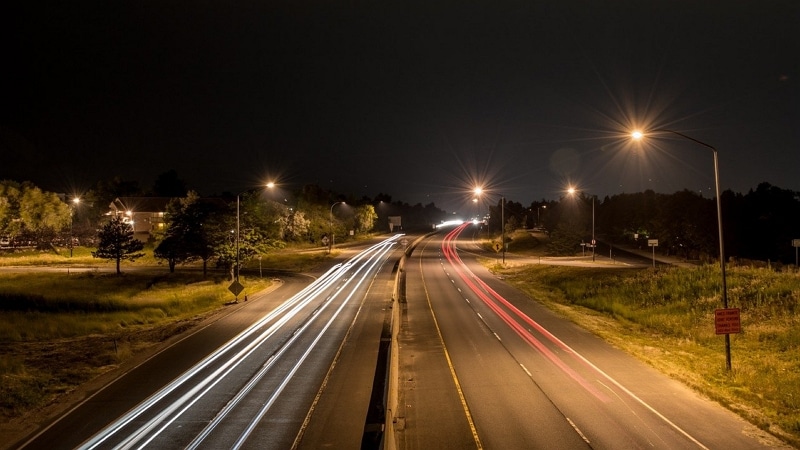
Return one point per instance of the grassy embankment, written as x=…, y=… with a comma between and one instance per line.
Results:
x=61, y=329
x=666, y=319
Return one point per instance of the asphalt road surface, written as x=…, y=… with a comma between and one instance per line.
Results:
x=480, y=366
x=483, y=366
x=261, y=377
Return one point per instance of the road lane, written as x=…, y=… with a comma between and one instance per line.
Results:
x=647, y=408
x=507, y=409
x=349, y=411
x=525, y=372
x=253, y=392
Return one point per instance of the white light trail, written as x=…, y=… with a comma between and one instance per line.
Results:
x=251, y=341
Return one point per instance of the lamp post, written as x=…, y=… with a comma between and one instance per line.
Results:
x=269, y=185
x=236, y=267
x=330, y=218
x=572, y=192
x=538, y=215
x=638, y=135
x=75, y=202
x=503, y=226
x=478, y=192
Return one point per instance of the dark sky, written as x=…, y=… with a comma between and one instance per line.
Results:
x=417, y=99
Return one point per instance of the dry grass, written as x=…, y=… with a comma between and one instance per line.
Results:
x=60, y=330
x=667, y=320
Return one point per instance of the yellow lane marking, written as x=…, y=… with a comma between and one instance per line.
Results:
x=464, y=405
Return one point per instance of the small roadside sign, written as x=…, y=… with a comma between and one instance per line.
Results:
x=236, y=288
x=497, y=247
x=795, y=242
x=653, y=243
x=727, y=321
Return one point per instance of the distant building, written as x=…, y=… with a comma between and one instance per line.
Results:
x=145, y=214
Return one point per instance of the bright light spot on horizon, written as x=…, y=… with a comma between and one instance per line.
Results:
x=450, y=223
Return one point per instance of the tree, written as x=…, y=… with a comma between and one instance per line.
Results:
x=686, y=225
x=117, y=242
x=43, y=214
x=511, y=226
x=28, y=212
x=172, y=249
x=567, y=227
x=195, y=228
x=565, y=237
x=294, y=225
x=10, y=193
x=174, y=246
x=365, y=218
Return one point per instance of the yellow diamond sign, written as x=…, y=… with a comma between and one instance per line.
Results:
x=236, y=288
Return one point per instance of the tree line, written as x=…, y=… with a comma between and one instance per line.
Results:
x=197, y=228
x=759, y=225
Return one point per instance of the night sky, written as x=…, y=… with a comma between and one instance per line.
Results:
x=417, y=99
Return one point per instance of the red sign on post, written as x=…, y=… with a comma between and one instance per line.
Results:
x=727, y=321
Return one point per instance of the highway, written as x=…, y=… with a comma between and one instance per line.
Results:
x=483, y=366
x=260, y=389
x=480, y=366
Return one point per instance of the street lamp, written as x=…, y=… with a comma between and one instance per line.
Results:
x=571, y=191
x=236, y=267
x=638, y=135
x=503, y=226
x=538, y=215
x=269, y=185
x=330, y=241
x=478, y=192
x=75, y=202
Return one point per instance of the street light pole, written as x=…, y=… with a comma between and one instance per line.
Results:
x=594, y=242
x=75, y=200
x=503, y=225
x=479, y=191
x=639, y=135
x=236, y=269
x=269, y=185
x=330, y=241
x=571, y=191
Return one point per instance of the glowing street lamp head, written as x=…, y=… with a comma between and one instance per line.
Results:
x=637, y=135
x=271, y=185
x=571, y=190
x=76, y=200
x=478, y=191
